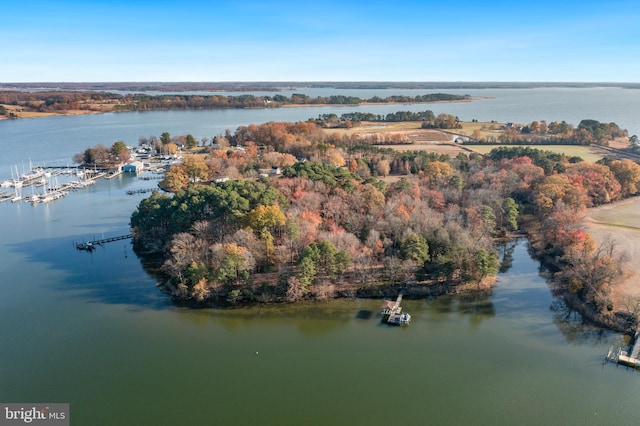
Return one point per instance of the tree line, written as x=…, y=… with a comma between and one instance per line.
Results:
x=351, y=119
x=142, y=102
x=587, y=132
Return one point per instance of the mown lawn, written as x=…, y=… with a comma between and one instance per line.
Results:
x=585, y=152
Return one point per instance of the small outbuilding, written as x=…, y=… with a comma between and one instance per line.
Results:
x=133, y=167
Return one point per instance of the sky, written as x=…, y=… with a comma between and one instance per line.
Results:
x=327, y=40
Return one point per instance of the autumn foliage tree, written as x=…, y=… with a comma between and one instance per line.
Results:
x=328, y=224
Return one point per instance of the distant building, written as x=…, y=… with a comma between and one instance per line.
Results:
x=133, y=167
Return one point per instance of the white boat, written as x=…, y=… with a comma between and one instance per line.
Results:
x=32, y=174
x=17, y=183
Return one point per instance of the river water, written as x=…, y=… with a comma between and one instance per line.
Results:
x=92, y=330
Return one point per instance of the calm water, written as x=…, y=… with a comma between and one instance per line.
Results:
x=91, y=329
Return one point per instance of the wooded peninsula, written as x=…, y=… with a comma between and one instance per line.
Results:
x=17, y=104
x=280, y=212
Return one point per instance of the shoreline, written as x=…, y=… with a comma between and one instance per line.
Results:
x=413, y=291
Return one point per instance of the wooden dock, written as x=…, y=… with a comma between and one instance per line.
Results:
x=627, y=358
x=392, y=312
x=91, y=245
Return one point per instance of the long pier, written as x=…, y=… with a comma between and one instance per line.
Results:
x=91, y=245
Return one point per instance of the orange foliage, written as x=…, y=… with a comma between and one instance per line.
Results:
x=311, y=217
x=219, y=153
x=402, y=212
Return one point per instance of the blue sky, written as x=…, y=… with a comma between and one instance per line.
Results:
x=145, y=40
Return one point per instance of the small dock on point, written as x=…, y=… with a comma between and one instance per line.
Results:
x=628, y=358
x=392, y=312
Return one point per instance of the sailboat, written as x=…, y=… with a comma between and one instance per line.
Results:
x=32, y=174
x=18, y=196
x=11, y=182
x=17, y=183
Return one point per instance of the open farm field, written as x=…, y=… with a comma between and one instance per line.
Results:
x=414, y=131
x=620, y=222
x=486, y=129
x=449, y=148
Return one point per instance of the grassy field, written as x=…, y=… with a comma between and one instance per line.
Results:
x=414, y=127
x=620, y=222
x=587, y=153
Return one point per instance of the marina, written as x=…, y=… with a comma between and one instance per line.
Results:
x=50, y=188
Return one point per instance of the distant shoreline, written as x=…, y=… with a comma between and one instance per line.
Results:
x=279, y=86
x=31, y=114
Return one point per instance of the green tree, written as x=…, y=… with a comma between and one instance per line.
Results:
x=326, y=258
x=487, y=264
x=488, y=219
x=165, y=138
x=235, y=265
x=118, y=146
x=190, y=141
x=306, y=271
x=510, y=208
x=415, y=247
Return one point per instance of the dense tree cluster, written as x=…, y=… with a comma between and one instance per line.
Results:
x=327, y=225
